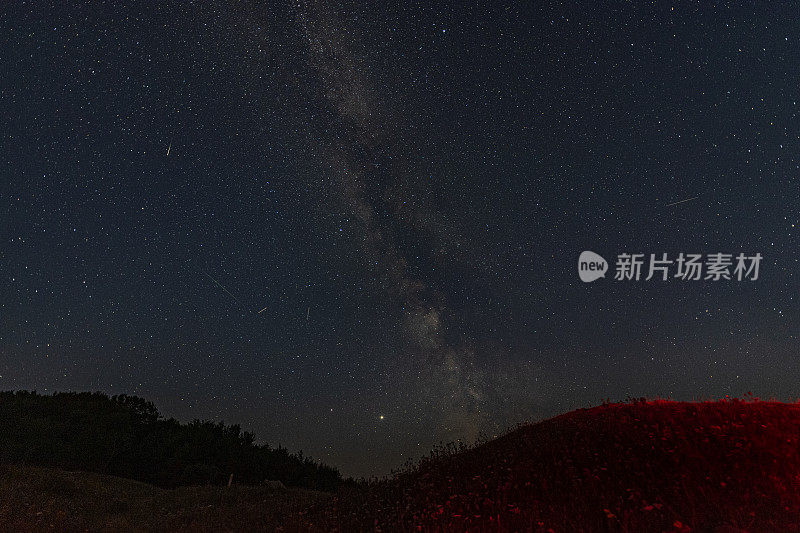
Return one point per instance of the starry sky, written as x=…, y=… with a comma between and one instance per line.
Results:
x=353, y=228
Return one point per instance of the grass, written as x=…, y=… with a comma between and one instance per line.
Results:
x=41, y=499
x=660, y=466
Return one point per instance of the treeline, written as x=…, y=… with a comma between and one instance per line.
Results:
x=126, y=436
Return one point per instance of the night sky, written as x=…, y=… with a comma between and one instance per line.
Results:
x=354, y=228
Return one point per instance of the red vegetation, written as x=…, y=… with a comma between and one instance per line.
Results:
x=723, y=466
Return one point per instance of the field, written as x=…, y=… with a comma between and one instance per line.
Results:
x=40, y=499
x=661, y=466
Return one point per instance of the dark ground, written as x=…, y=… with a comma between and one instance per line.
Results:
x=726, y=466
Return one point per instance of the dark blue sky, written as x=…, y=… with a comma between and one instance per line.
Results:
x=304, y=217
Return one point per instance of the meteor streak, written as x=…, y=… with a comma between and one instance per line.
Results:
x=682, y=201
x=218, y=284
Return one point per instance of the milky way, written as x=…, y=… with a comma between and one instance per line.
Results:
x=353, y=228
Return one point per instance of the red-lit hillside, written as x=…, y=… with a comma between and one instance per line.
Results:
x=645, y=466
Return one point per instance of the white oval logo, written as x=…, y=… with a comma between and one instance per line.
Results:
x=591, y=266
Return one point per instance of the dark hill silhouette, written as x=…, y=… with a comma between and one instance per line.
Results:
x=721, y=466
x=125, y=436
x=659, y=466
